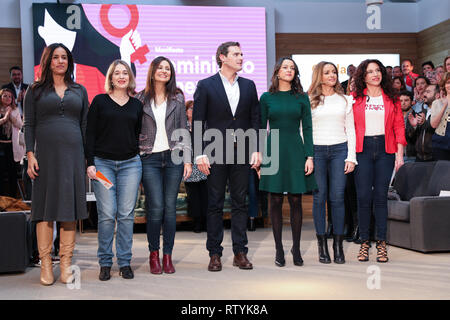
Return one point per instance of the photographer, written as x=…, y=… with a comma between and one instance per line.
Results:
x=418, y=128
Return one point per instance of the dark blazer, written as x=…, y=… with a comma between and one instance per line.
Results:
x=11, y=87
x=212, y=108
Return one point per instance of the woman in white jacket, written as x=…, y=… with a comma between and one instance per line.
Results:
x=11, y=151
x=334, y=154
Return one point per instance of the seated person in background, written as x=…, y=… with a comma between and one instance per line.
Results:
x=397, y=72
x=406, y=100
x=419, y=130
x=419, y=88
x=440, y=118
x=427, y=66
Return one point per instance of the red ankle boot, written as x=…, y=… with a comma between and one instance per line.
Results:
x=167, y=264
x=155, y=265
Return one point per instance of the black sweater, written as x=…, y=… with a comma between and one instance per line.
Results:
x=113, y=130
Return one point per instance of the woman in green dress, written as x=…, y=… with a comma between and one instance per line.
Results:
x=286, y=107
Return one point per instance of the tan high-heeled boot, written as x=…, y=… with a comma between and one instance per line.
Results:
x=44, y=234
x=66, y=246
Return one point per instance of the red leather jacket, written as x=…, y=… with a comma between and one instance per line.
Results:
x=394, y=125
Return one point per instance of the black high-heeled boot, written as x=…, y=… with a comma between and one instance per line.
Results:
x=324, y=256
x=279, y=258
x=355, y=236
x=338, y=249
x=296, y=256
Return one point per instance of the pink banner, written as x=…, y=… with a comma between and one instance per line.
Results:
x=188, y=36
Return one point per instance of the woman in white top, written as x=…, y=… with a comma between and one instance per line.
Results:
x=164, y=113
x=334, y=154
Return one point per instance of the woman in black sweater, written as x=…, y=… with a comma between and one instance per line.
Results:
x=113, y=126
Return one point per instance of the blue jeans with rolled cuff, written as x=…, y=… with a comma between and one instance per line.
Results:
x=117, y=203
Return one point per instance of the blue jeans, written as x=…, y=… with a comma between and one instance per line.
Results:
x=161, y=179
x=329, y=161
x=372, y=176
x=116, y=203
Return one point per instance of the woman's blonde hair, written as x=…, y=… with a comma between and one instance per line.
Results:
x=444, y=80
x=108, y=82
x=315, y=90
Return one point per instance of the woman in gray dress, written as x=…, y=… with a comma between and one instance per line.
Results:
x=55, y=123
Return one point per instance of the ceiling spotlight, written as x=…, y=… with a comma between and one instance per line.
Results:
x=372, y=2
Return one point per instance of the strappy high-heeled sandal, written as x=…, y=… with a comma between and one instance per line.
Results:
x=382, y=251
x=364, y=251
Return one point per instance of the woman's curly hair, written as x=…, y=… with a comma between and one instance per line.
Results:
x=360, y=82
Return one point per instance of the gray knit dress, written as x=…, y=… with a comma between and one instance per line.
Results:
x=55, y=130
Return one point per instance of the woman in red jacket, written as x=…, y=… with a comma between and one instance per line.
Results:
x=380, y=137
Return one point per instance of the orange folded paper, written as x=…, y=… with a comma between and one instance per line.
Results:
x=103, y=180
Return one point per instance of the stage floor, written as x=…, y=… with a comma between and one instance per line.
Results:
x=408, y=275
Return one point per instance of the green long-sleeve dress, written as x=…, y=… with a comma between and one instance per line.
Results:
x=285, y=111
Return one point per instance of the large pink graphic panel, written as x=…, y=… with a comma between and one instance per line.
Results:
x=188, y=36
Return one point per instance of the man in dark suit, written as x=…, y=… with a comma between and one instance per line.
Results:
x=351, y=69
x=226, y=102
x=17, y=86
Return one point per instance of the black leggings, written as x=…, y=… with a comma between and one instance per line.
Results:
x=276, y=205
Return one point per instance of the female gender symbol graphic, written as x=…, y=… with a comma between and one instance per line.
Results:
x=139, y=53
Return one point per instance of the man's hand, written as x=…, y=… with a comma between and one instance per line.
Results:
x=420, y=119
x=256, y=160
x=412, y=120
x=20, y=96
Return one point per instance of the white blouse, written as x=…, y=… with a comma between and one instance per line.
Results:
x=161, y=141
x=333, y=123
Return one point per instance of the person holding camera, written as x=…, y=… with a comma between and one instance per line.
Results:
x=418, y=128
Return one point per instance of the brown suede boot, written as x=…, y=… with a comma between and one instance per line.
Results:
x=66, y=246
x=44, y=234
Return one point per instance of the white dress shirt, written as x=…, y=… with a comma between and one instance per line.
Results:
x=19, y=104
x=232, y=91
x=161, y=141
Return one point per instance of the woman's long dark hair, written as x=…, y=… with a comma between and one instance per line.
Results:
x=171, y=85
x=360, y=76
x=402, y=82
x=296, y=87
x=45, y=81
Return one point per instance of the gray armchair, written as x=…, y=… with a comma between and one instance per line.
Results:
x=420, y=220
